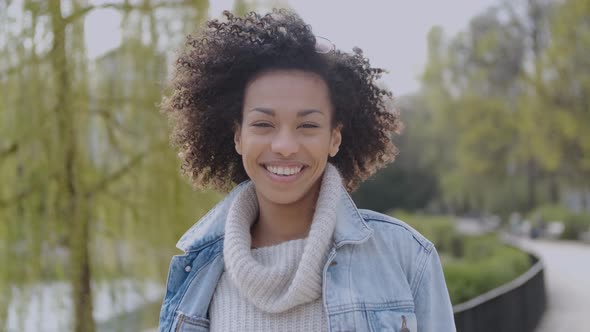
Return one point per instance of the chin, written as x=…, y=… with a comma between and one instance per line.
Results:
x=282, y=197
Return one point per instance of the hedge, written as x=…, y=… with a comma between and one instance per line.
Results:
x=472, y=265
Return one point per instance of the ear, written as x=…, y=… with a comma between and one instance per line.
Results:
x=238, y=138
x=335, y=140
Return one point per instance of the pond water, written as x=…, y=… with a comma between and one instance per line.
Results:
x=120, y=305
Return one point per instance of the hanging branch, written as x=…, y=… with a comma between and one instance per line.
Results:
x=31, y=61
x=18, y=197
x=12, y=148
x=102, y=184
x=125, y=7
x=4, y=203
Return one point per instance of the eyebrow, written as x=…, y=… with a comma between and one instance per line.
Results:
x=271, y=112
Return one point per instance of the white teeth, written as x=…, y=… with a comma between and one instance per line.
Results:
x=285, y=171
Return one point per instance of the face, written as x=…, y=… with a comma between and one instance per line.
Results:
x=286, y=134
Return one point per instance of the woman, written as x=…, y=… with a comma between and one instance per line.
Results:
x=261, y=102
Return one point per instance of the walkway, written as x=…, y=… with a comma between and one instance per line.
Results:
x=567, y=278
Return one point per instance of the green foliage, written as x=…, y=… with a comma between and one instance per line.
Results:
x=574, y=223
x=549, y=212
x=472, y=265
x=410, y=182
x=486, y=266
x=506, y=107
x=440, y=230
x=562, y=140
x=90, y=188
x=396, y=187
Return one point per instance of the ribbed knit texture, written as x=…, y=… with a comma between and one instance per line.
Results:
x=275, y=288
x=229, y=311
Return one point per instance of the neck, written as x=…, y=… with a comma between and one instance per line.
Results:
x=278, y=223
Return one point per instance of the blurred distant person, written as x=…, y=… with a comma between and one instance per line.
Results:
x=262, y=106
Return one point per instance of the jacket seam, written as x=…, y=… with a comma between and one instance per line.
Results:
x=367, y=306
x=205, y=219
x=190, y=281
x=198, y=224
x=202, y=322
x=354, y=318
x=423, y=242
x=370, y=319
x=420, y=274
x=205, y=245
x=355, y=209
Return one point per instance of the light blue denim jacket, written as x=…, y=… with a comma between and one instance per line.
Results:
x=380, y=275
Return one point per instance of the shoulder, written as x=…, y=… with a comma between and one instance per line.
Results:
x=398, y=248
x=395, y=230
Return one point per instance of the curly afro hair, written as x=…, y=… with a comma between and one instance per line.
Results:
x=211, y=75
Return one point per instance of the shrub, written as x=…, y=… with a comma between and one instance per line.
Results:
x=487, y=264
x=549, y=212
x=440, y=230
x=575, y=225
x=472, y=265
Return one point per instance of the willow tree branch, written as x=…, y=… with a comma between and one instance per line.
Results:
x=124, y=7
x=33, y=60
x=12, y=148
x=116, y=175
x=25, y=193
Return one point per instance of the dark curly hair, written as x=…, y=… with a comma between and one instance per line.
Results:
x=211, y=75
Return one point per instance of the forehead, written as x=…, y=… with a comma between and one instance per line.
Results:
x=287, y=90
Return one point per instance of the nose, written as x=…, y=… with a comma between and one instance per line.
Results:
x=285, y=143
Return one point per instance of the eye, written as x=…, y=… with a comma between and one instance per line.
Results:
x=308, y=125
x=261, y=125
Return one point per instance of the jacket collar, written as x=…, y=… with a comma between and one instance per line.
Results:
x=350, y=228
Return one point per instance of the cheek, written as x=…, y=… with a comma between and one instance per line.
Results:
x=255, y=141
x=253, y=145
x=319, y=145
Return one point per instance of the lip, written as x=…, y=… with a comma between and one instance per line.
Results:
x=284, y=178
x=283, y=163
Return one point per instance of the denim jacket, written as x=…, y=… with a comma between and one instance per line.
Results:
x=380, y=275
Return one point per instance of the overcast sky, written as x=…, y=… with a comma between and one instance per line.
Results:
x=392, y=33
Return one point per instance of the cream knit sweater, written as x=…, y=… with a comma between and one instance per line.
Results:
x=276, y=288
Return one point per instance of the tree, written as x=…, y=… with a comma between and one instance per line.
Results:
x=506, y=99
x=83, y=170
x=471, y=86
x=562, y=88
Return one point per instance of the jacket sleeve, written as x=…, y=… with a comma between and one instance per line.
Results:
x=434, y=312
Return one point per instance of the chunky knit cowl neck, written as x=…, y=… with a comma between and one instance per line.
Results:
x=282, y=285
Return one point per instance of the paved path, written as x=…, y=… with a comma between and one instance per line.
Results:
x=567, y=278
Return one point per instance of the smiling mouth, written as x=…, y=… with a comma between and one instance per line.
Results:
x=283, y=170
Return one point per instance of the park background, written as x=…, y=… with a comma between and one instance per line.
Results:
x=495, y=96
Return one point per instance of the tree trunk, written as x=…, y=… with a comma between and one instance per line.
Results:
x=531, y=171
x=73, y=210
x=554, y=191
x=534, y=12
